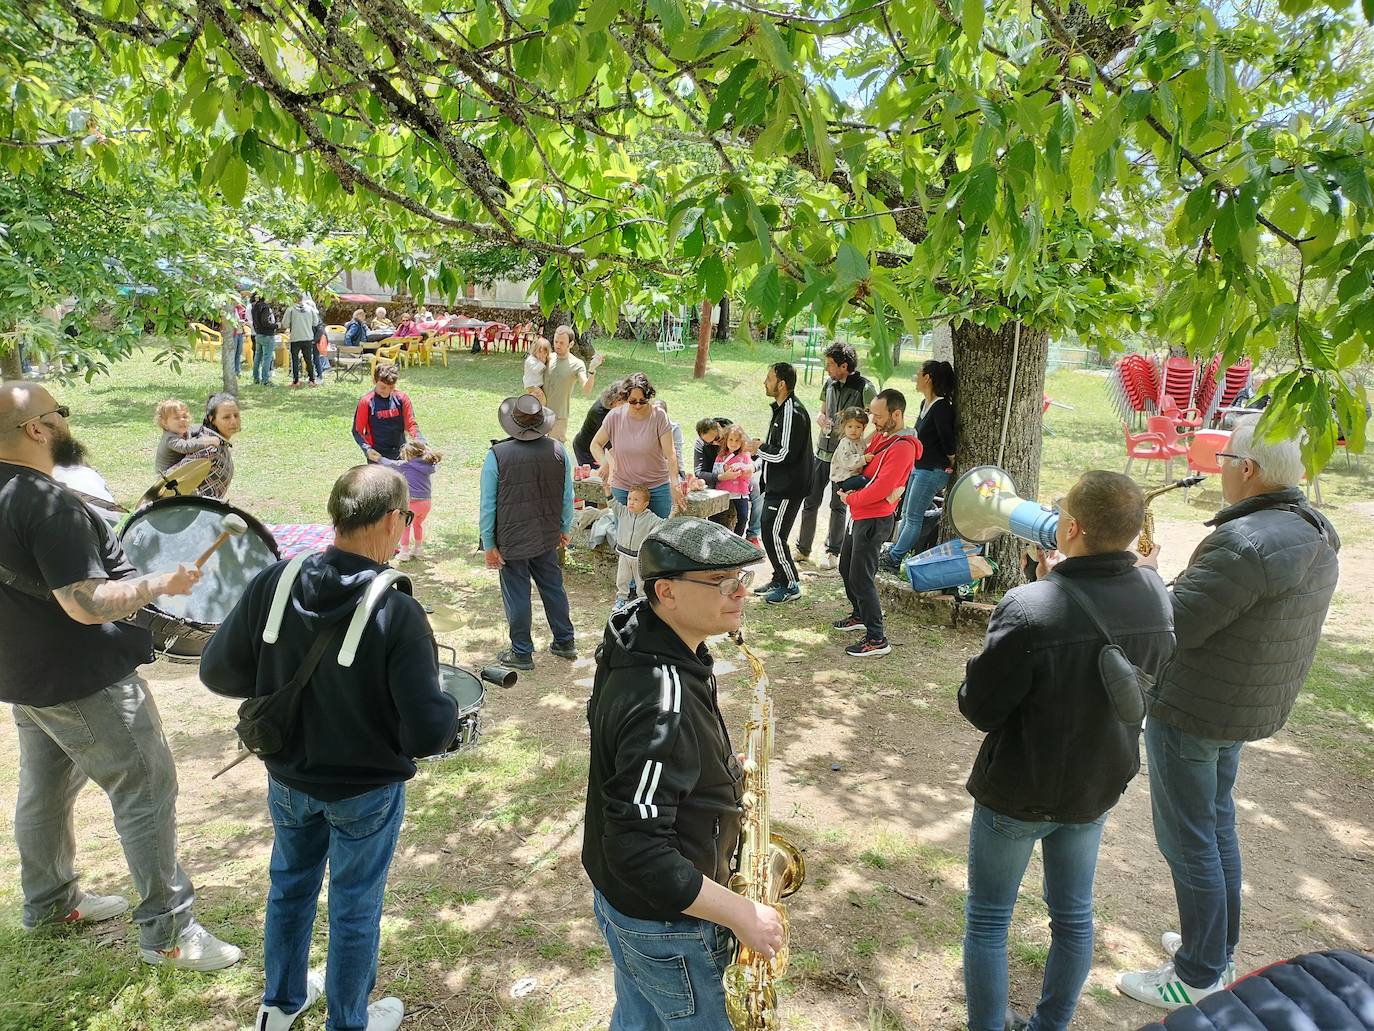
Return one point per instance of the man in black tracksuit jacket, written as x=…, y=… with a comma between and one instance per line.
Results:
x=1056, y=757
x=336, y=791
x=788, y=463
x=664, y=786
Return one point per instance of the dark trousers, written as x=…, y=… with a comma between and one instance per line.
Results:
x=778, y=516
x=302, y=352
x=741, y=507
x=806, y=531
x=515, y=594
x=859, y=569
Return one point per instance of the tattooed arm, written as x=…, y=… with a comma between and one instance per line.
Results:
x=103, y=601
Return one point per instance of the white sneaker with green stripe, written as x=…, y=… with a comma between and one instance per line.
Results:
x=1173, y=941
x=1162, y=988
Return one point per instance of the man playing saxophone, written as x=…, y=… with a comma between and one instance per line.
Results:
x=664, y=788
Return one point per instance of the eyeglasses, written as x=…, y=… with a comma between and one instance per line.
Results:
x=61, y=410
x=728, y=586
x=1228, y=454
x=410, y=516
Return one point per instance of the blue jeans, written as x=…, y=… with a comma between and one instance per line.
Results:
x=236, y=342
x=999, y=847
x=755, y=508
x=660, y=499
x=357, y=837
x=667, y=972
x=515, y=595
x=921, y=489
x=264, y=354
x=1195, y=825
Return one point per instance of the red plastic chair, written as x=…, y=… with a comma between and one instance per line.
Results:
x=1185, y=420
x=1151, y=446
x=1202, y=453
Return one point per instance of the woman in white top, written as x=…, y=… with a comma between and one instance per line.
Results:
x=537, y=363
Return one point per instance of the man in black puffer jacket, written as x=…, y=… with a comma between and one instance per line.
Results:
x=1056, y=757
x=1248, y=612
x=664, y=786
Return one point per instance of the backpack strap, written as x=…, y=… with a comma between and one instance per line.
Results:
x=362, y=613
x=272, y=629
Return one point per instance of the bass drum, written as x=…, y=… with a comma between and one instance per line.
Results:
x=176, y=531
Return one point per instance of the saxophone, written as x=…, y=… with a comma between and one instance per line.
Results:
x=1146, y=543
x=770, y=868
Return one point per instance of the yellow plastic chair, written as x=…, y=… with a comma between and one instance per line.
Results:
x=391, y=353
x=208, y=341
x=440, y=344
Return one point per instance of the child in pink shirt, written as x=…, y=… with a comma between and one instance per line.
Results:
x=734, y=470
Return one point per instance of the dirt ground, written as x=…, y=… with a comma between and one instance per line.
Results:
x=487, y=888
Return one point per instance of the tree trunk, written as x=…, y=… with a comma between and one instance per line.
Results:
x=723, y=325
x=10, y=369
x=982, y=373
x=226, y=356
x=703, y=341
x=941, y=343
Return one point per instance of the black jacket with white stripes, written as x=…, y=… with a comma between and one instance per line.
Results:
x=664, y=785
x=786, y=454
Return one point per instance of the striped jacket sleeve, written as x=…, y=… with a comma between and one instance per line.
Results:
x=656, y=766
x=771, y=451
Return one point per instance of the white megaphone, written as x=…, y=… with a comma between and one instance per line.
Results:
x=983, y=503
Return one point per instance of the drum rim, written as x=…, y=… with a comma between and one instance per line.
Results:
x=197, y=501
x=481, y=688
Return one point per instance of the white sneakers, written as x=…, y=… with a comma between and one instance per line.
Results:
x=92, y=909
x=196, y=949
x=1172, y=941
x=382, y=1015
x=385, y=1014
x=272, y=1018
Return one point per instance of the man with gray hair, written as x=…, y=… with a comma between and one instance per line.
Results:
x=371, y=704
x=1248, y=613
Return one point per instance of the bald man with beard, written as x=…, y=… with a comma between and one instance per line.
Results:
x=69, y=667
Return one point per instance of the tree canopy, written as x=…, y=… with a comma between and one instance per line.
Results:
x=1198, y=173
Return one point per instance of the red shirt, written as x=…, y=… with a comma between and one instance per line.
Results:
x=895, y=455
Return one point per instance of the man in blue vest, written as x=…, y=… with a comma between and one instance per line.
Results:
x=525, y=516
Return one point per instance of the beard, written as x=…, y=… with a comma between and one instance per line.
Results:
x=66, y=449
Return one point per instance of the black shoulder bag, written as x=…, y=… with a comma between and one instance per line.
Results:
x=267, y=721
x=1126, y=684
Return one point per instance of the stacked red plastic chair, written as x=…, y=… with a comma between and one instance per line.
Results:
x=1134, y=386
x=1236, y=379
x=1206, y=393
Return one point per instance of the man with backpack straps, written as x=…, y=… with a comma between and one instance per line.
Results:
x=1057, y=756
x=336, y=787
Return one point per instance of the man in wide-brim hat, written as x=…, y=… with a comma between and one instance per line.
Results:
x=525, y=516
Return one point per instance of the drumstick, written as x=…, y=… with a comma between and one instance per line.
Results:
x=243, y=754
x=233, y=526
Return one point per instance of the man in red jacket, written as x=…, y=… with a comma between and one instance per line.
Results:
x=894, y=449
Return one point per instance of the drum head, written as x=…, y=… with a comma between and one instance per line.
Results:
x=462, y=687
x=177, y=531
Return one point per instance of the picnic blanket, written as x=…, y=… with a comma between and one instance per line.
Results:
x=293, y=538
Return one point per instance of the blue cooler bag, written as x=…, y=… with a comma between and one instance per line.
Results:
x=945, y=565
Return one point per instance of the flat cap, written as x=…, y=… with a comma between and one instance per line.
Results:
x=688, y=544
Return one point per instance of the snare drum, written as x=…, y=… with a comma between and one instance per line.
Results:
x=467, y=690
x=175, y=531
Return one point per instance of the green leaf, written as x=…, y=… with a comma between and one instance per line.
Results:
x=1226, y=231
x=561, y=12
x=774, y=47
x=670, y=16
x=727, y=95
x=1084, y=193
x=765, y=292
x=205, y=108
x=1217, y=76
x=973, y=21
x=233, y=182
x=851, y=268
x=980, y=195
x=1135, y=105
x=711, y=275
x=1313, y=189
x=600, y=14
x=1349, y=175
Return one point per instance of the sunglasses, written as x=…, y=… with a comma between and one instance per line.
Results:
x=410, y=516
x=638, y=404
x=61, y=410
x=728, y=586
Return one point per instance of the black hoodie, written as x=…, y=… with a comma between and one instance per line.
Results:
x=359, y=725
x=664, y=785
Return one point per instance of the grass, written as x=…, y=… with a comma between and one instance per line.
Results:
x=486, y=887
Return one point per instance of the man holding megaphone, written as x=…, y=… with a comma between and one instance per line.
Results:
x=1059, y=751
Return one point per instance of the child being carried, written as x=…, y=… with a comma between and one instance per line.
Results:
x=173, y=417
